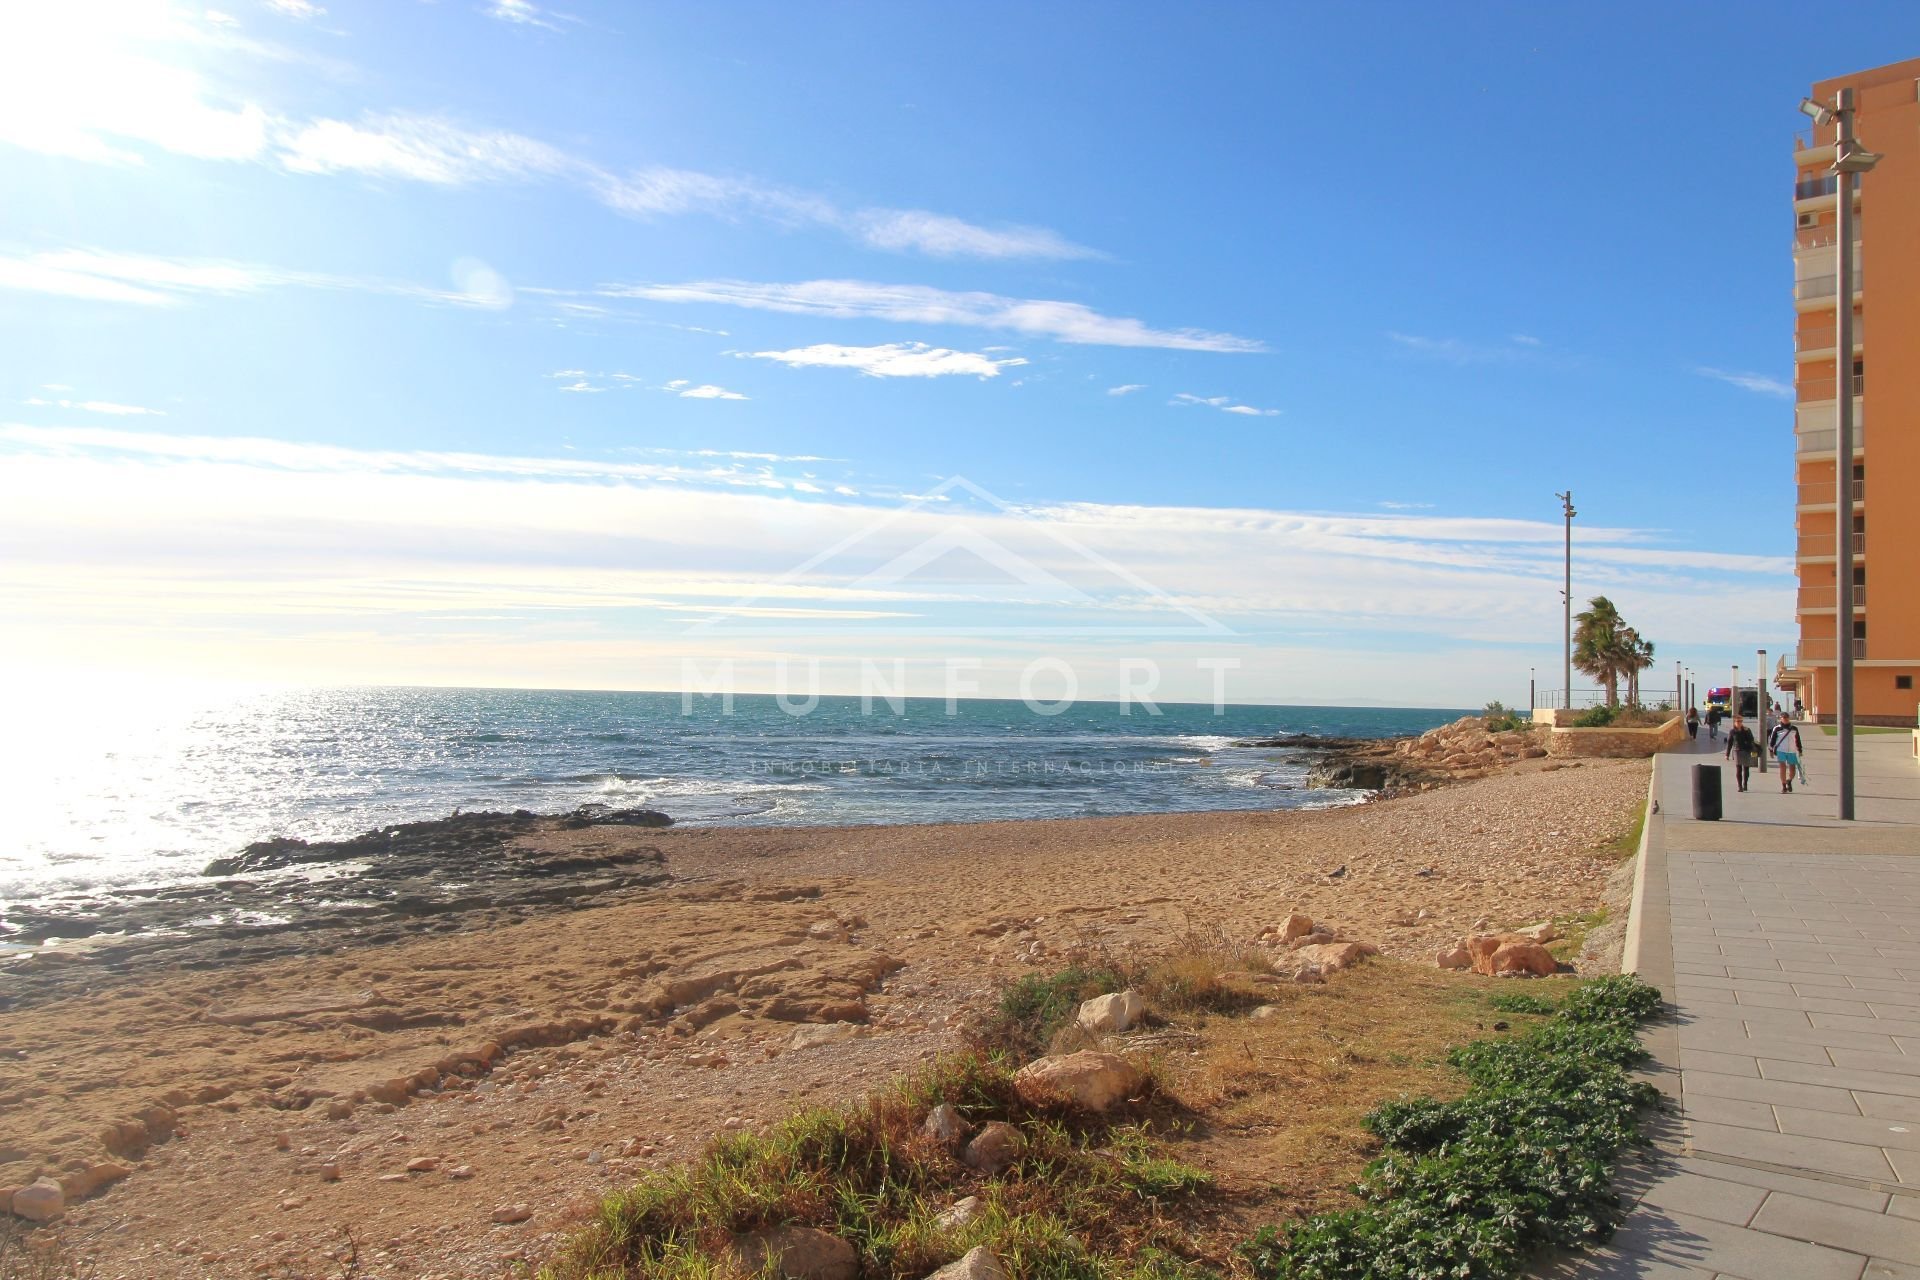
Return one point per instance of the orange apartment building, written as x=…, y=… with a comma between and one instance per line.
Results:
x=1884, y=372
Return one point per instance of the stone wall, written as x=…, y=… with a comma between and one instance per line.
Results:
x=1615, y=742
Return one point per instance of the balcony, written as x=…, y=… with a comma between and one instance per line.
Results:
x=1814, y=287
x=1820, y=599
x=1817, y=390
x=1821, y=648
x=1824, y=184
x=1820, y=493
x=1812, y=340
x=1817, y=548
x=1813, y=427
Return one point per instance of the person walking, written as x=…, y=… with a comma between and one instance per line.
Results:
x=1693, y=722
x=1742, y=747
x=1784, y=742
x=1713, y=721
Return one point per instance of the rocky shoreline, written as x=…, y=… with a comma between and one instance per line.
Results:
x=1456, y=752
x=286, y=896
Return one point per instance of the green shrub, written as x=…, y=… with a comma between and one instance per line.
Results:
x=1472, y=1187
x=1520, y=1002
x=1595, y=717
x=1500, y=718
x=1035, y=1008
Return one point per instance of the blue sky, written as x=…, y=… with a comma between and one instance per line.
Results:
x=496, y=342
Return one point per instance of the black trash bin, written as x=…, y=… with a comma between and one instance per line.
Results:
x=1706, y=792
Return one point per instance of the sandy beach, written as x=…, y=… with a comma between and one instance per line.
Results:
x=378, y=1109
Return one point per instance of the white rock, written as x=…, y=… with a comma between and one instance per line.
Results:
x=944, y=1125
x=977, y=1264
x=1542, y=932
x=1266, y=1013
x=512, y=1213
x=1119, y=1011
x=815, y=1034
x=960, y=1213
x=42, y=1202
x=1093, y=1081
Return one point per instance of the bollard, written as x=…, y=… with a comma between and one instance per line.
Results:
x=1706, y=792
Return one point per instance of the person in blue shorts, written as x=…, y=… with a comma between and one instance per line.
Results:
x=1784, y=742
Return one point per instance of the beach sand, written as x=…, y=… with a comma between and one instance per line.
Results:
x=533, y=1066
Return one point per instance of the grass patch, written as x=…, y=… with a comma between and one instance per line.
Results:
x=1520, y=1002
x=1085, y=1200
x=1627, y=843
x=1475, y=1185
x=1834, y=730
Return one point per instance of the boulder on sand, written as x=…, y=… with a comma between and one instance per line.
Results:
x=1111, y=1013
x=977, y=1263
x=41, y=1202
x=994, y=1147
x=1454, y=958
x=1503, y=954
x=1092, y=1081
x=1334, y=956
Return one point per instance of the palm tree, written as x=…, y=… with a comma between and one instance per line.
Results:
x=1636, y=656
x=1597, y=649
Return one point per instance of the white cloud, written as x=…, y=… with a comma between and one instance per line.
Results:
x=1406, y=506
x=1225, y=404
x=417, y=148
x=923, y=304
x=1458, y=351
x=1524, y=339
x=1126, y=389
x=110, y=407
x=304, y=10
x=104, y=276
x=709, y=392
x=522, y=12
x=1755, y=382
x=893, y=360
x=582, y=386
x=290, y=543
x=939, y=236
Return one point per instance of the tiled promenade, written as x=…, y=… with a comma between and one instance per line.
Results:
x=1789, y=945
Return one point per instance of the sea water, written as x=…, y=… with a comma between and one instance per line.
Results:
x=129, y=791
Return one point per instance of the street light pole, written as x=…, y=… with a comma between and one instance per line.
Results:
x=1761, y=707
x=1566, y=598
x=1849, y=158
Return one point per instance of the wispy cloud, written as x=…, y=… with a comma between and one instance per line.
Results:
x=706, y=391
x=1225, y=404
x=893, y=360
x=1126, y=389
x=1460, y=351
x=521, y=12
x=922, y=304
x=1755, y=382
x=304, y=10
x=1406, y=506
x=143, y=280
x=98, y=406
x=939, y=236
x=417, y=148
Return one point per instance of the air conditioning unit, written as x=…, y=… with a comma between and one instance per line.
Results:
x=1805, y=220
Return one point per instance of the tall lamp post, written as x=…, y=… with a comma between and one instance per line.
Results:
x=1849, y=160
x=1760, y=729
x=1566, y=598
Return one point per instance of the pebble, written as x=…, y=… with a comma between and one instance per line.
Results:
x=512, y=1213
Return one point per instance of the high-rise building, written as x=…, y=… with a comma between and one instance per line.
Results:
x=1882, y=374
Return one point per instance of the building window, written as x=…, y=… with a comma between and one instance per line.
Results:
x=1903, y=682
x=1859, y=628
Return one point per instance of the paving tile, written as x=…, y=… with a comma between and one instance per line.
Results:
x=1810, y=1188
x=1708, y=1109
x=1838, y=1077
x=1888, y=1106
x=1731, y=1064
x=1904, y=1207
x=1886, y=1269
x=1811, y=1097
x=1685, y=993
x=1867, y=1022
x=1806, y=1004
x=1906, y=1166
x=1874, y=1234
x=1894, y=1062
x=1687, y=1240
x=1869, y=1131
x=1820, y=1155
x=1705, y=1197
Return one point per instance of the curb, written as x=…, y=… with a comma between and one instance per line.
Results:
x=1637, y=903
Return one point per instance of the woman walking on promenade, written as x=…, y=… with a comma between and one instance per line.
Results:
x=1784, y=742
x=1693, y=722
x=1742, y=747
